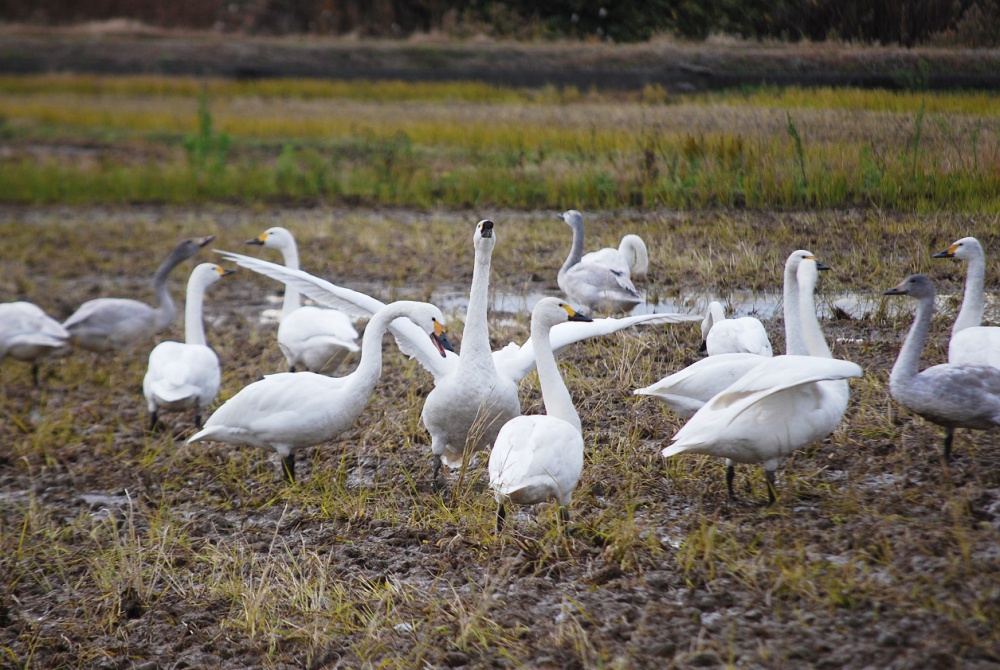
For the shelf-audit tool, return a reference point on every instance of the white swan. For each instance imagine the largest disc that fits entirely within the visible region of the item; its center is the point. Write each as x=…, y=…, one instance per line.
x=107, y=324
x=315, y=338
x=596, y=286
x=631, y=257
x=784, y=403
x=687, y=390
x=28, y=334
x=733, y=336
x=185, y=375
x=953, y=395
x=540, y=458
x=287, y=411
x=970, y=341
x=511, y=363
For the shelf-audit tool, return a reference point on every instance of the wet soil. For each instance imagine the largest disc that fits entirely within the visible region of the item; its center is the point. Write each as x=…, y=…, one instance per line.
x=877, y=554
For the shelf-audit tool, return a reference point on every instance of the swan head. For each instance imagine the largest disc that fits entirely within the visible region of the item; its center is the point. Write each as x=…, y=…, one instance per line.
x=187, y=248
x=915, y=286
x=483, y=238
x=808, y=273
x=431, y=321
x=795, y=259
x=634, y=250
x=715, y=312
x=573, y=218
x=208, y=273
x=274, y=238
x=551, y=311
x=963, y=249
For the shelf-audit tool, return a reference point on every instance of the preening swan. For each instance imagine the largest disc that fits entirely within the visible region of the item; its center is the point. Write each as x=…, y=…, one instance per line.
x=185, y=375
x=780, y=405
x=29, y=334
x=287, y=411
x=953, y=395
x=317, y=339
x=594, y=285
x=107, y=324
x=631, y=257
x=970, y=341
x=540, y=458
x=511, y=363
x=687, y=390
x=733, y=336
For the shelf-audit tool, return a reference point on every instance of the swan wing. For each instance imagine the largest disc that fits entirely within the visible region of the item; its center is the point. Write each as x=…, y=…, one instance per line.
x=979, y=345
x=745, y=334
x=613, y=258
x=178, y=371
x=687, y=390
x=536, y=458
x=410, y=339
x=516, y=362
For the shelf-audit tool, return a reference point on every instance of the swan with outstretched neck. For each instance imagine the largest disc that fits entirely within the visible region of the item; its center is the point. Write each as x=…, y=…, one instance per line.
x=953, y=395
x=971, y=342
x=186, y=375
x=287, y=411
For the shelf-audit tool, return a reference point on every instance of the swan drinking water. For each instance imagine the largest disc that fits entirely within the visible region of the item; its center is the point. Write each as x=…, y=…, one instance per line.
x=540, y=458
x=287, y=411
x=109, y=324
x=186, y=375
x=317, y=339
x=953, y=395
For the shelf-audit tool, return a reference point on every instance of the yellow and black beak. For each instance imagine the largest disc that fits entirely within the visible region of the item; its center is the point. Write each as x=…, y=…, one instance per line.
x=574, y=315
x=820, y=265
x=259, y=240
x=947, y=253
x=223, y=272
x=440, y=340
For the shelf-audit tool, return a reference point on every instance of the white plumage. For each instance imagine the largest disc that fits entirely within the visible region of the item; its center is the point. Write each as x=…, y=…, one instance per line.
x=186, y=375
x=631, y=257
x=317, y=339
x=28, y=334
x=733, y=336
x=540, y=458
x=971, y=342
x=594, y=285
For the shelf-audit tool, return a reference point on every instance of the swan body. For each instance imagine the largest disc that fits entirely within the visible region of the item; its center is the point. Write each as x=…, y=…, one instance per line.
x=732, y=336
x=594, y=285
x=312, y=338
x=186, y=375
x=953, y=395
x=780, y=405
x=109, y=324
x=540, y=458
x=687, y=390
x=972, y=342
x=631, y=257
x=287, y=411
x=28, y=334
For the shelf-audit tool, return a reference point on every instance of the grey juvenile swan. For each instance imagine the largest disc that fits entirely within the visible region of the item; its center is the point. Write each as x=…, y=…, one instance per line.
x=108, y=324
x=953, y=395
x=594, y=285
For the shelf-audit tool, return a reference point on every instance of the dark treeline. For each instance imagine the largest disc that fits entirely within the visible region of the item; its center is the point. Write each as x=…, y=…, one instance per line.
x=902, y=22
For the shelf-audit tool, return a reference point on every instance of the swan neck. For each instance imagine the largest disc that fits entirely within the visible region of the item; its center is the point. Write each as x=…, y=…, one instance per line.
x=194, y=325
x=476, y=335
x=794, y=343
x=292, y=301
x=576, y=251
x=555, y=395
x=165, y=309
x=971, y=313
x=369, y=367
x=908, y=362
x=811, y=332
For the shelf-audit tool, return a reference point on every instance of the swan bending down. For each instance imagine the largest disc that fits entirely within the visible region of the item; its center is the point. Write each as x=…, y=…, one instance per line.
x=782, y=404
x=631, y=257
x=29, y=334
x=687, y=390
x=970, y=341
x=511, y=363
x=733, y=336
x=186, y=375
x=953, y=395
x=287, y=411
x=315, y=338
x=107, y=324
x=594, y=285
x=540, y=458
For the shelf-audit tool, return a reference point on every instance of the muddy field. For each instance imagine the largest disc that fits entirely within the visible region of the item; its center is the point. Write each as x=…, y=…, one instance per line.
x=121, y=548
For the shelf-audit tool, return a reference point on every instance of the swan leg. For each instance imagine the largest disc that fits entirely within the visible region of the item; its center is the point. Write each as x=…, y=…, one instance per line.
x=769, y=478
x=34, y=373
x=564, y=519
x=501, y=516
x=437, y=470
x=730, y=476
x=288, y=468
x=152, y=421
x=949, y=434
x=197, y=419
x=291, y=368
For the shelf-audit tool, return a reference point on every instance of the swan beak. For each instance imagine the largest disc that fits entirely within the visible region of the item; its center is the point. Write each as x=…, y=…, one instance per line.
x=895, y=290
x=440, y=340
x=223, y=272
x=486, y=228
x=948, y=253
x=822, y=266
x=259, y=240
x=561, y=217
x=575, y=315
x=205, y=240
